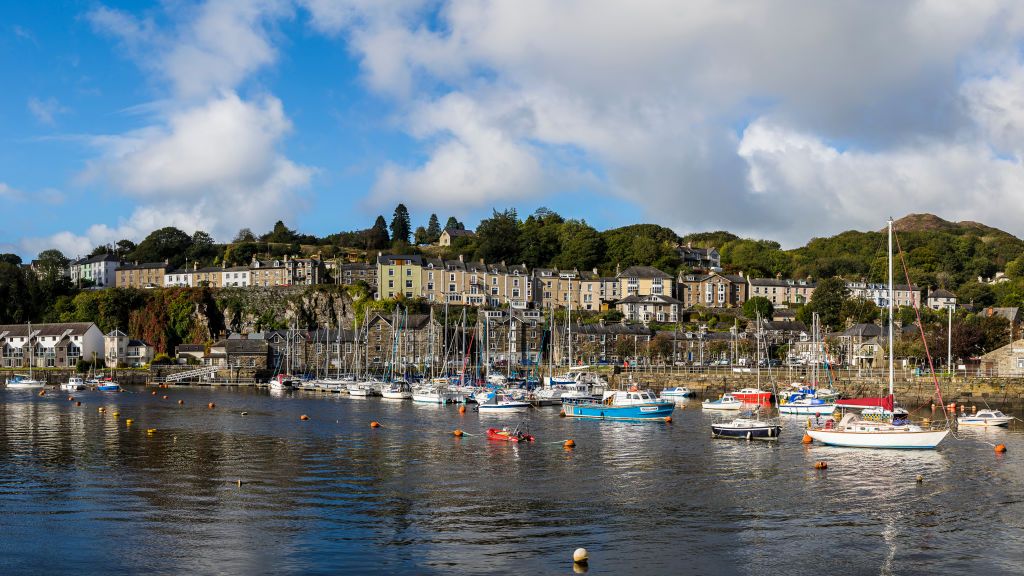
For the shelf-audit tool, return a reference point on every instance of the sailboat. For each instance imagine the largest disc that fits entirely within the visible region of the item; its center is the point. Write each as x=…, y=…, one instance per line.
x=854, y=432
x=21, y=381
x=750, y=424
x=805, y=401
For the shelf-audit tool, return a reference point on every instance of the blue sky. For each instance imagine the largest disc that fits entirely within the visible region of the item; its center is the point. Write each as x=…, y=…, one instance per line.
x=772, y=120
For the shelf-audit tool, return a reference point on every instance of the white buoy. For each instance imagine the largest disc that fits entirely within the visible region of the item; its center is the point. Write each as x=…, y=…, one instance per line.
x=580, y=556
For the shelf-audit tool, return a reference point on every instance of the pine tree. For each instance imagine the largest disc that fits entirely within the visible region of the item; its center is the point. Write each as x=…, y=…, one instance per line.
x=400, y=224
x=453, y=224
x=433, y=229
x=377, y=237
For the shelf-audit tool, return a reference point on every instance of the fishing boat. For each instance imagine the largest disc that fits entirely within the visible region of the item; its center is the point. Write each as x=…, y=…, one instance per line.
x=632, y=404
x=855, y=432
x=107, y=385
x=23, y=382
x=398, y=390
x=805, y=404
x=726, y=402
x=677, y=392
x=985, y=418
x=749, y=425
x=753, y=396
x=74, y=383
x=506, y=434
x=500, y=403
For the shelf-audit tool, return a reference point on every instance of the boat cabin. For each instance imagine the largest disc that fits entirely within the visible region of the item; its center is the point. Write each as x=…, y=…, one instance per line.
x=629, y=397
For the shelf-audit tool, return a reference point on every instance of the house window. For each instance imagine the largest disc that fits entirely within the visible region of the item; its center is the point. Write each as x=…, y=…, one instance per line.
x=391, y=271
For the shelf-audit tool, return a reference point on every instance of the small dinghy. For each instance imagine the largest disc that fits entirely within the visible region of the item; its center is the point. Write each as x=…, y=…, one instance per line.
x=507, y=434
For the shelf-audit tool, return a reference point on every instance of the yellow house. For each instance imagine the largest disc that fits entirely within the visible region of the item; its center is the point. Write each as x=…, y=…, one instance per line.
x=399, y=275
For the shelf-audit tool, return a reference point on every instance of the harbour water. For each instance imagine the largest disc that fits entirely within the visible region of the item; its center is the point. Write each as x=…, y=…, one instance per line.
x=214, y=491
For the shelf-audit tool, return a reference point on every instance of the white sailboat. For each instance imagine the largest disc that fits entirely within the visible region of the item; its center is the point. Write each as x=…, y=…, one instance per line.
x=854, y=432
x=21, y=381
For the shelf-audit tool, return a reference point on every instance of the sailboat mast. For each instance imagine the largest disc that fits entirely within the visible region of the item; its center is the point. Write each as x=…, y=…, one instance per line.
x=892, y=367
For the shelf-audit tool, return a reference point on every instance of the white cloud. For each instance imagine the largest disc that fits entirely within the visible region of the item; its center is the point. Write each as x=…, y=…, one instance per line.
x=206, y=158
x=655, y=97
x=47, y=110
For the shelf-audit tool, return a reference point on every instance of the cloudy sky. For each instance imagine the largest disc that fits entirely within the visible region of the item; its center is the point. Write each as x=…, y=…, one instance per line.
x=784, y=120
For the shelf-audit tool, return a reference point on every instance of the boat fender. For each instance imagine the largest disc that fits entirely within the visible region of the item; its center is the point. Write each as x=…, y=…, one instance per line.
x=462, y=409
x=749, y=433
x=807, y=439
x=668, y=419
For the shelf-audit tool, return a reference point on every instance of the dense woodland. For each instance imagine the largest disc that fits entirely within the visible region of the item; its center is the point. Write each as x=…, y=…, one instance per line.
x=937, y=254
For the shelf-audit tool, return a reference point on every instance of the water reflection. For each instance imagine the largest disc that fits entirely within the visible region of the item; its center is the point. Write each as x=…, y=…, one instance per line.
x=333, y=495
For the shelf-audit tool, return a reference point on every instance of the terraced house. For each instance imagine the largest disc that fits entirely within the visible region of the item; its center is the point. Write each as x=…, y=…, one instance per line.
x=712, y=290
x=59, y=345
x=145, y=275
x=98, y=270
x=399, y=275
x=782, y=291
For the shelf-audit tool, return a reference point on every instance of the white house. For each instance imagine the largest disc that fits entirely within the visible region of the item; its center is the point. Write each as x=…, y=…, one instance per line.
x=120, y=350
x=100, y=270
x=49, y=345
x=180, y=278
x=238, y=276
x=941, y=299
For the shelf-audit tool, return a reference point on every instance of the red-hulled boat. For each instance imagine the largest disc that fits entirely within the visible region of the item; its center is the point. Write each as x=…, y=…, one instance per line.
x=753, y=396
x=508, y=435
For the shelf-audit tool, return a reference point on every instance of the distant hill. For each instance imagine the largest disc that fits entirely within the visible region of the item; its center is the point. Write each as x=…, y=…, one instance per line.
x=933, y=223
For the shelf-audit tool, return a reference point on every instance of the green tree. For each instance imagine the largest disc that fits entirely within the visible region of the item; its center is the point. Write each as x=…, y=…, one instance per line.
x=123, y=248
x=377, y=237
x=860, y=310
x=164, y=244
x=202, y=248
x=497, y=237
x=758, y=305
x=976, y=293
x=12, y=259
x=433, y=232
x=827, y=300
x=281, y=234
x=581, y=246
x=540, y=239
x=400, y=224
x=244, y=235
x=420, y=236
x=453, y=224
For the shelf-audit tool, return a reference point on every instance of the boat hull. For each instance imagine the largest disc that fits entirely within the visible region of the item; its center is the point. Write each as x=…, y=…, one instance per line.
x=657, y=411
x=807, y=409
x=753, y=397
x=715, y=405
x=909, y=440
x=503, y=408
x=766, y=432
x=396, y=395
x=971, y=421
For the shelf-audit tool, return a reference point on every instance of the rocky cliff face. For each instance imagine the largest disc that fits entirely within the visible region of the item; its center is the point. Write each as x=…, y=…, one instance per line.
x=247, y=310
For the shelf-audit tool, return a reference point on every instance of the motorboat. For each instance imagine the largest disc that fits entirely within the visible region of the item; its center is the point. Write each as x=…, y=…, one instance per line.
x=363, y=389
x=398, y=390
x=435, y=395
x=747, y=426
x=853, y=431
x=103, y=384
x=677, y=392
x=726, y=402
x=985, y=418
x=500, y=403
x=803, y=404
x=74, y=383
x=23, y=382
x=548, y=396
x=631, y=404
x=753, y=396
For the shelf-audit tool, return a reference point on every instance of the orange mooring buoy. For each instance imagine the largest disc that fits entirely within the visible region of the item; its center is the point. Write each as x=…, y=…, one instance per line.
x=457, y=433
x=303, y=417
x=569, y=443
x=181, y=402
x=807, y=439
x=462, y=409
x=820, y=465
x=561, y=413
x=71, y=398
x=42, y=392
x=78, y=403
x=165, y=397
x=374, y=424
x=211, y=405
x=153, y=392
x=1000, y=448
x=668, y=419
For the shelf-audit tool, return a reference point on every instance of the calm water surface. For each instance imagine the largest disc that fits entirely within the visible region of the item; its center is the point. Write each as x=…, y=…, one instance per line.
x=81, y=492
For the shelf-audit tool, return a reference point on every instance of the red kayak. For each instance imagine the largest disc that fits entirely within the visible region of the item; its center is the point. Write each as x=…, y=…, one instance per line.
x=506, y=435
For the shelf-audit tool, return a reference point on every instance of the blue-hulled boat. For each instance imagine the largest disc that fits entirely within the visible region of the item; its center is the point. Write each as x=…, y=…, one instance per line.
x=632, y=404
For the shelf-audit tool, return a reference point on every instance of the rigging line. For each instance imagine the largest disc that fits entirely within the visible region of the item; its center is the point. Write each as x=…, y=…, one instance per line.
x=920, y=326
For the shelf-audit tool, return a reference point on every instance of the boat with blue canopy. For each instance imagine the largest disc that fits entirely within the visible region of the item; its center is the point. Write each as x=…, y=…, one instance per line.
x=632, y=404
